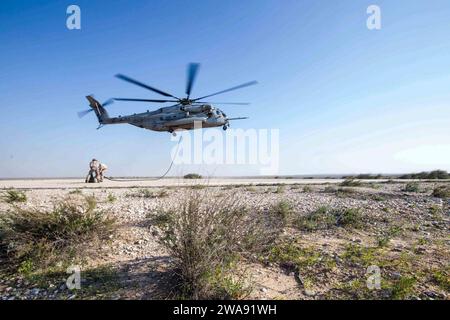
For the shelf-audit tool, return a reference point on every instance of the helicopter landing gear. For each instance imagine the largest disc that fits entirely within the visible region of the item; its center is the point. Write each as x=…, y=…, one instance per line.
x=173, y=132
x=225, y=127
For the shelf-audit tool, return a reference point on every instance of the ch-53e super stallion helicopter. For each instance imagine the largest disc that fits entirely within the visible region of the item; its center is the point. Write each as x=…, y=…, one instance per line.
x=186, y=113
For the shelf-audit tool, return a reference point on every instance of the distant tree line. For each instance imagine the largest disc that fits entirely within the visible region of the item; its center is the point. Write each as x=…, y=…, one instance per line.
x=366, y=176
x=437, y=174
x=433, y=175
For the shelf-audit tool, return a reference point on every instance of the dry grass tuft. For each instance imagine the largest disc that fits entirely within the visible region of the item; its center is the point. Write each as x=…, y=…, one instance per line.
x=208, y=237
x=35, y=238
x=13, y=196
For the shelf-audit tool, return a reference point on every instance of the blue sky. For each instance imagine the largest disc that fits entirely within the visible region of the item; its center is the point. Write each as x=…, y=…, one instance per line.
x=345, y=99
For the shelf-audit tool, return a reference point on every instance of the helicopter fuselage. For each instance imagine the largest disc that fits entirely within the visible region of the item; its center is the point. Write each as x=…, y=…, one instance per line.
x=174, y=118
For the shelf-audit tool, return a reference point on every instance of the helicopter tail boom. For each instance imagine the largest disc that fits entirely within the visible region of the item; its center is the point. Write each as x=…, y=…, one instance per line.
x=99, y=110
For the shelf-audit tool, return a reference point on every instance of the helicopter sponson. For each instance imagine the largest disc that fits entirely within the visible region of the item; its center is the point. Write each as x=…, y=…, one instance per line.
x=186, y=121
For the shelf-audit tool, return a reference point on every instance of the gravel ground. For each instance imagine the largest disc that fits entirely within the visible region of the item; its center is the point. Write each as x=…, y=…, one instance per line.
x=135, y=266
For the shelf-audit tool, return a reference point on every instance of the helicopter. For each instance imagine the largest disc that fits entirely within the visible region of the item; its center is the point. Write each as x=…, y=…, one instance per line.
x=185, y=114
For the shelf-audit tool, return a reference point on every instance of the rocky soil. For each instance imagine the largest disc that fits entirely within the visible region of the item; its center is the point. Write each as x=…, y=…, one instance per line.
x=405, y=234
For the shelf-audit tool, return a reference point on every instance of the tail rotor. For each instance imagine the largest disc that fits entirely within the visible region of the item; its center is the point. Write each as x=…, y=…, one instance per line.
x=96, y=107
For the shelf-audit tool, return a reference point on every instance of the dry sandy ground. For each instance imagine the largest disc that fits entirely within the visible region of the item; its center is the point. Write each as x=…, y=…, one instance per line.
x=147, y=183
x=331, y=262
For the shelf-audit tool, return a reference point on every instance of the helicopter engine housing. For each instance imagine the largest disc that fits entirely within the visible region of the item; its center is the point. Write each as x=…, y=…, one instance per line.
x=197, y=109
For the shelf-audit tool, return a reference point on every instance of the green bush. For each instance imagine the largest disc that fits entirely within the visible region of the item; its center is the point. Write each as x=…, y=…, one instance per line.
x=36, y=237
x=403, y=288
x=192, y=176
x=348, y=217
x=442, y=278
x=330, y=189
x=385, y=237
x=346, y=191
x=288, y=253
x=325, y=218
x=111, y=198
x=316, y=220
x=13, y=195
x=441, y=192
x=383, y=240
x=350, y=183
x=283, y=210
x=411, y=187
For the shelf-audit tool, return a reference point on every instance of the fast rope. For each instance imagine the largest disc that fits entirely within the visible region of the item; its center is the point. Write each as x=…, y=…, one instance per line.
x=151, y=179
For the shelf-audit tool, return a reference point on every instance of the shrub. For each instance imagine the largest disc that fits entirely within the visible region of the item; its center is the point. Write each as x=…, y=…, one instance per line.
x=111, y=198
x=291, y=253
x=307, y=189
x=411, y=187
x=441, y=192
x=198, y=187
x=283, y=210
x=378, y=197
x=348, y=217
x=32, y=237
x=13, y=195
x=325, y=218
x=357, y=254
x=318, y=219
x=383, y=240
x=163, y=194
x=192, y=176
x=146, y=193
x=385, y=237
x=280, y=189
x=442, y=278
x=403, y=288
x=208, y=236
x=329, y=189
x=343, y=192
x=350, y=183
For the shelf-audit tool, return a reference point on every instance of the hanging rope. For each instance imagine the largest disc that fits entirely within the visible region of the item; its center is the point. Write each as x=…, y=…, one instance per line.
x=151, y=179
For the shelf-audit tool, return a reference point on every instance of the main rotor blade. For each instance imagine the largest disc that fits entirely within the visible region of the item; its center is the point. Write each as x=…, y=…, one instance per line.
x=81, y=114
x=144, y=100
x=243, y=118
x=143, y=85
x=191, y=75
x=230, y=89
x=108, y=102
x=235, y=103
